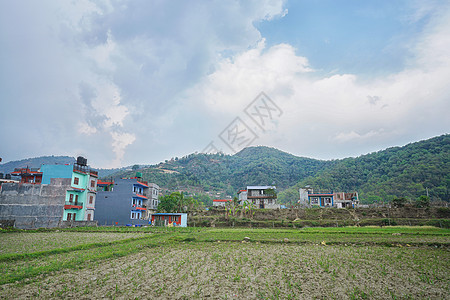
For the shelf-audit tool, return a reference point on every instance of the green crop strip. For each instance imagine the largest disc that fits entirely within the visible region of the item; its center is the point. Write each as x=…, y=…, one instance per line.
x=17, y=256
x=50, y=261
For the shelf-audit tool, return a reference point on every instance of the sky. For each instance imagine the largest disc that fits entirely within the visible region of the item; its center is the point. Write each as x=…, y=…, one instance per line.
x=139, y=82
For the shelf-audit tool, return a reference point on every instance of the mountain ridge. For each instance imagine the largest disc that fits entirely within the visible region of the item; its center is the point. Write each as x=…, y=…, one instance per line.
x=400, y=171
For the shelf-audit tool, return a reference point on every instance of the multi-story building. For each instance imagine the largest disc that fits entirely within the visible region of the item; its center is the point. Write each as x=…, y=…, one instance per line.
x=330, y=199
x=80, y=197
x=51, y=196
x=126, y=201
x=262, y=196
x=27, y=175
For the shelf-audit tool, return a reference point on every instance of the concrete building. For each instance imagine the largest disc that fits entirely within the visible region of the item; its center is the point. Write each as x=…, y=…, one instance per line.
x=27, y=175
x=262, y=196
x=52, y=196
x=169, y=219
x=221, y=202
x=127, y=201
x=80, y=197
x=332, y=199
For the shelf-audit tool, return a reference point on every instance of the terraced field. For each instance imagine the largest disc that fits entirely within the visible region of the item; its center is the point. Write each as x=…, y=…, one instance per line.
x=187, y=263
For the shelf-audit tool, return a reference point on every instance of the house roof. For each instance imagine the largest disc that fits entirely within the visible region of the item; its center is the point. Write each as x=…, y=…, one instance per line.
x=169, y=214
x=100, y=183
x=222, y=200
x=315, y=195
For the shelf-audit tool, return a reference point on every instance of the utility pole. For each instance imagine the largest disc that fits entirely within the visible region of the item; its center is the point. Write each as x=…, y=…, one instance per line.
x=427, y=191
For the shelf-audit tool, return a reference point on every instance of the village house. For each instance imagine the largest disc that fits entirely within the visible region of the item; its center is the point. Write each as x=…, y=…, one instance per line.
x=262, y=196
x=331, y=199
x=221, y=202
x=126, y=201
x=169, y=219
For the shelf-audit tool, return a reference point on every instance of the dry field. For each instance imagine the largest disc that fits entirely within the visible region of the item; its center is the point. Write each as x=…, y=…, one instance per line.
x=215, y=263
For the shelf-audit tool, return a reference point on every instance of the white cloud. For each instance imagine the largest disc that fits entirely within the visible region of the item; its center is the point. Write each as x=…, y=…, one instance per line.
x=325, y=116
x=134, y=81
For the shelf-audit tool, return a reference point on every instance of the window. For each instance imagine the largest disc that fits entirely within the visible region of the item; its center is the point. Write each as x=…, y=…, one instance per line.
x=135, y=215
x=69, y=216
x=91, y=199
x=89, y=217
x=71, y=198
x=93, y=183
x=76, y=180
x=314, y=200
x=76, y=198
x=74, y=216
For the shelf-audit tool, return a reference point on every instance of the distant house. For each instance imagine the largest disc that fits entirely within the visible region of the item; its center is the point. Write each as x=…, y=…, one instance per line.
x=331, y=199
x=126, y=201
x=27, y=175
x=262, y=196
x=169, y=219
x=221, y=202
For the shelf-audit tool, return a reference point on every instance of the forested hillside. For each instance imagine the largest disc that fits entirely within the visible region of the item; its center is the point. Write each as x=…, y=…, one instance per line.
x=406, y=171
x=220, y=172
x=35, y=162
x=395, y=172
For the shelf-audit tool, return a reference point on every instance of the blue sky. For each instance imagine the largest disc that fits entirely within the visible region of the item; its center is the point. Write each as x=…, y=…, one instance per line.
x=367, y=38
x=125, y=82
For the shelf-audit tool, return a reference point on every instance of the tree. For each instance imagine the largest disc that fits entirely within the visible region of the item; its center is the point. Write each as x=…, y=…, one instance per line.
x=176, y=202
x=399, y=202
x=135, y=167
x=168, y=203
x=423, y=201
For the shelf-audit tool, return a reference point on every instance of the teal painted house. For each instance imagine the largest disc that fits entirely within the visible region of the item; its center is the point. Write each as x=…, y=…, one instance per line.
x=80, y=198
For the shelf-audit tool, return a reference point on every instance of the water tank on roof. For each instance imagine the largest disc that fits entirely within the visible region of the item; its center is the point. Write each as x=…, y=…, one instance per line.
x=81, y=161
x=8, y=176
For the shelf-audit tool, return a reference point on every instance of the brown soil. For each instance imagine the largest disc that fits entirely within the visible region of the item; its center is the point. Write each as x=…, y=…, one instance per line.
x=249, y=271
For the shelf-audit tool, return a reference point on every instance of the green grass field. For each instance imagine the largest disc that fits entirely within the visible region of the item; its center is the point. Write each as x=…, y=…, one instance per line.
x=186, y=263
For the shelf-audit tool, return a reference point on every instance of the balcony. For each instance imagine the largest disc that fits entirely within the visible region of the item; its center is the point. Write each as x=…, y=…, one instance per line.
x=80, y=169
x=139, y=207
x=73, y=205
x=261, y=196
x=136, y=195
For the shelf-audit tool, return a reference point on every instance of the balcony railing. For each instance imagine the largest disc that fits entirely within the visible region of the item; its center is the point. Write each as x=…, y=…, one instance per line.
x=73, y=205
x=261, y=196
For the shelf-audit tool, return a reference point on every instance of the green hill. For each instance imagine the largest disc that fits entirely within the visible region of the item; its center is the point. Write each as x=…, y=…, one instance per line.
x=35, y=162
x=406, y=171
x=229, y=173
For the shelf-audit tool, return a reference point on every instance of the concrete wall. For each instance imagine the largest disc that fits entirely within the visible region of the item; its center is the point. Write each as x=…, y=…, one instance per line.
x=68, y=224
x=34, y=206
x=55, y=171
